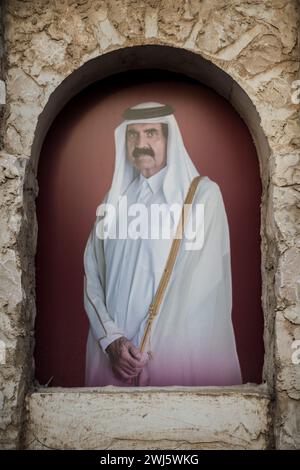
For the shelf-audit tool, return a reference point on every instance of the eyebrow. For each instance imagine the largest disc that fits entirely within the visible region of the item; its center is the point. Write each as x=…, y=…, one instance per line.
x=151, y=129
x=144, y=130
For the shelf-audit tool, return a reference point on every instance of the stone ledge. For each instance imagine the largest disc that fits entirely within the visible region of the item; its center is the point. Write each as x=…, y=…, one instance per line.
x=149, y=418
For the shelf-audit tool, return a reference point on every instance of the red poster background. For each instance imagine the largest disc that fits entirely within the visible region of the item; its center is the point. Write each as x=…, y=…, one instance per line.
x=75, y=171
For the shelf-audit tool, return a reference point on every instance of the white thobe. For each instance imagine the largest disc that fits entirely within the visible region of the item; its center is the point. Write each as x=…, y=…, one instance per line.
x=192, y=337
x=134, y=266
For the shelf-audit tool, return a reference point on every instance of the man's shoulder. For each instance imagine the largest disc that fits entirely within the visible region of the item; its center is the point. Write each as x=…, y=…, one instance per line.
x=101, y=205
x=207, y=189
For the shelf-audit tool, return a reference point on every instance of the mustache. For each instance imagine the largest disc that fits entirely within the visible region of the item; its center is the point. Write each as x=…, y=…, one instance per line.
x=142, y=151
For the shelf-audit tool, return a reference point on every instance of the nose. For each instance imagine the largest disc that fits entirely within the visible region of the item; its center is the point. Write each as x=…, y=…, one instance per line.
x=142, y=140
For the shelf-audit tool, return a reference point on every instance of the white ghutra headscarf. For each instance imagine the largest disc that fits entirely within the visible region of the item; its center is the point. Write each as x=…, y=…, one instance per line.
x=180, y=168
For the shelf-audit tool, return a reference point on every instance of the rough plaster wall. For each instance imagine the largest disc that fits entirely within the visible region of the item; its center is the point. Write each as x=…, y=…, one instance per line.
x=2, y=83
x=148, y=420
x=255, y=43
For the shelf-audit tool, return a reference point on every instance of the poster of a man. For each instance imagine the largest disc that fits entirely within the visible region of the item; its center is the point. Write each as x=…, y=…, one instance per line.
x=191, y=339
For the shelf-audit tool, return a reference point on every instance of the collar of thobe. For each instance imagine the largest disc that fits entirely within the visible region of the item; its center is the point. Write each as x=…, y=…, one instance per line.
x=154, y=182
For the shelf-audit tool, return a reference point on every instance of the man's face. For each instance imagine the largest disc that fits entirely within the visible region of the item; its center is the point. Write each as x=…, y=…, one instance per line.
x=146, y=147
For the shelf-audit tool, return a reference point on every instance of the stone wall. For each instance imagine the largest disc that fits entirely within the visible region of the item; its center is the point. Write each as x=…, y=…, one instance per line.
x=257, y=45
x=2, y=66
x=149, y=419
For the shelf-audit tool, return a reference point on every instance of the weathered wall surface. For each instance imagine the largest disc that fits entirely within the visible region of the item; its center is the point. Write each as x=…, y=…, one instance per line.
x=256, y=43
x=148, y=420
x=2, y=84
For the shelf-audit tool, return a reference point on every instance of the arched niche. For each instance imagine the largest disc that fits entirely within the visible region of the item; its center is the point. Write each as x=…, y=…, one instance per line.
x=166, y=59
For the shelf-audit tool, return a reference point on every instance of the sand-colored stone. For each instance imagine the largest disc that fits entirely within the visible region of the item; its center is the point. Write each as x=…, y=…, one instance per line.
x=47, y=45
x=152, y=419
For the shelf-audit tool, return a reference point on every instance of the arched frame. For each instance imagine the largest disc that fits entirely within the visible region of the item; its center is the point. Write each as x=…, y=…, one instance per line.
x=228, y=409
x=175, y=60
